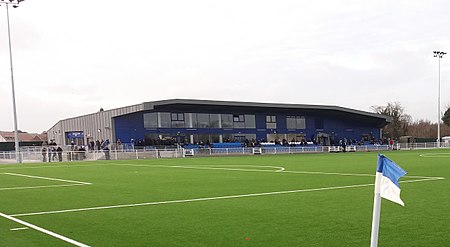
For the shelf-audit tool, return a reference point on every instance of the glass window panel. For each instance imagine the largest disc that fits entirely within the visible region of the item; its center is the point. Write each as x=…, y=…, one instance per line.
x=227, y=121
x=164, y=119
x=271, y=125
x=151, y=120
x=239, y=125
x=177, y=124
x=250, y=122
x=301, y=123
x=191, y=120
x=202, y=120
x=271, y=119
x=290, y=122
x=214, y=120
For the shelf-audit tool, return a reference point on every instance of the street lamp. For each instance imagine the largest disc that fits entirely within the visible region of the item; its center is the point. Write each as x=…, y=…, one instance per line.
x=15, y=4
x=439, y=55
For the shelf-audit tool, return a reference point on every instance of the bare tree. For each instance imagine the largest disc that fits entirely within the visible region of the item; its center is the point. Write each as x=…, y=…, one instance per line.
x=400, y=121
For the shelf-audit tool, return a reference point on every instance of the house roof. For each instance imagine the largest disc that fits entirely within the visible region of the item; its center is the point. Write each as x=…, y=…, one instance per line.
x=23, y=136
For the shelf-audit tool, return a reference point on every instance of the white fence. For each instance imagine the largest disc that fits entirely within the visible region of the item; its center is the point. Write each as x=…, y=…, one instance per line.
x=34, y=156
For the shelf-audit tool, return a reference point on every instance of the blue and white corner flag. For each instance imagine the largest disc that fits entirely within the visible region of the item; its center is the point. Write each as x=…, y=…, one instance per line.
x=386, y=186
x=390, y=173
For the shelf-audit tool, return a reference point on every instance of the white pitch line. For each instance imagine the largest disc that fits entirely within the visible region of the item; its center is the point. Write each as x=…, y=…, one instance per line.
x=39, y=187
x=52, y=166
x=66, y=239
x=207, y=198
x=281, y=170
x=230, y=169
x=19, y=228
x=46, y=178
x=189, y=200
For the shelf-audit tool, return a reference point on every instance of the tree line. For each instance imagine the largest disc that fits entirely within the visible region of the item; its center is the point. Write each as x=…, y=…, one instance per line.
x=403, y=125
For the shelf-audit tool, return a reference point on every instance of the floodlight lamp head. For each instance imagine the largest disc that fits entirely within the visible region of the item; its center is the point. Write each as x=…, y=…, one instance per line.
x=15, y=6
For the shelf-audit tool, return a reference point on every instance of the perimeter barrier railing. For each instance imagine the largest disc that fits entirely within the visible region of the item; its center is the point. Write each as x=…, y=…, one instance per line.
x=31, y=155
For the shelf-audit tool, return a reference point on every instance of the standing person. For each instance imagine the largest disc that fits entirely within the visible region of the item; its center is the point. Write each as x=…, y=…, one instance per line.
x=97, y=144
x=105, y=148
x=391, y=144
x=53, y=153
x=92, y=145
x=49, y=154
x=59, y=151
x=119, y=144
x=44, y=154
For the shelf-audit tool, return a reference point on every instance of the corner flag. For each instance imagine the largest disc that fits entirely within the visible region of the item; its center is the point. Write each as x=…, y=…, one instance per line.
x=386, y=186
x=390, y=173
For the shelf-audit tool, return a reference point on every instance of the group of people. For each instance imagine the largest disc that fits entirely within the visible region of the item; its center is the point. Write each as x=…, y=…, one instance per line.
x=53, y=152
x=50, y=153
x=99, y=145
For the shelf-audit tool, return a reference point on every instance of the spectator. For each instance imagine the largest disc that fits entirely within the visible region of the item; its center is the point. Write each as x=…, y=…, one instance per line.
x=44, y=154
x=59, y=151
x=53, y=153
x=49, y=154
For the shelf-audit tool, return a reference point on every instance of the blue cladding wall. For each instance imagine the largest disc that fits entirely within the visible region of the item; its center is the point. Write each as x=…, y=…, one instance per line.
x=131, y=127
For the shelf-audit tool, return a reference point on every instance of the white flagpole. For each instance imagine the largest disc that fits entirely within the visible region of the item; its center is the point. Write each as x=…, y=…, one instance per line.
x=376, y=211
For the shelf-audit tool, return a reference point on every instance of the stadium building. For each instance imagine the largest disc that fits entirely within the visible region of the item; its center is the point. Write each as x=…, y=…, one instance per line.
x=204, y=121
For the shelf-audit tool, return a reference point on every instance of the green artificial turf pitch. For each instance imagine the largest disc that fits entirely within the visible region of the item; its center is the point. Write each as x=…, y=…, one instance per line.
x=267, y=200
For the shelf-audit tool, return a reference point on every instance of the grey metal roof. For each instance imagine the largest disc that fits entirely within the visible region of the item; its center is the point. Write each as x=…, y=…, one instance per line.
x=153, y=104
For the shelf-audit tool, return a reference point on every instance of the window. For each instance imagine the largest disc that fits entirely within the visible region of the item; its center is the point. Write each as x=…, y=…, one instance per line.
x=291, y=123
x=151, y=120
x=177, y=120
x=238, y=118
x=177, y=116
x=295, y=122
x=203, y=120
x=164, y=120
x=271, y=122
x=227, y=120
x=250, y=122
x=214, y=120
x=238, y=121
x=301, y=123
x=191, y=120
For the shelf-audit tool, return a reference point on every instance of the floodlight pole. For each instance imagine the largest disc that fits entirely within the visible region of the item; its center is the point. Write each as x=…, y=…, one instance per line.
x=439, y=55
x=16, y=131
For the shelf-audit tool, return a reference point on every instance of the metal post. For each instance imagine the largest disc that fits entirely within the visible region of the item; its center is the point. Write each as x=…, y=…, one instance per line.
x=16, y=131
x=439, y=105
x=376, y=212
x=439, y=55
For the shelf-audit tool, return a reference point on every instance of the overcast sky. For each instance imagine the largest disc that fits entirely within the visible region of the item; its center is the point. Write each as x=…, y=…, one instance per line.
x=73, y=57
